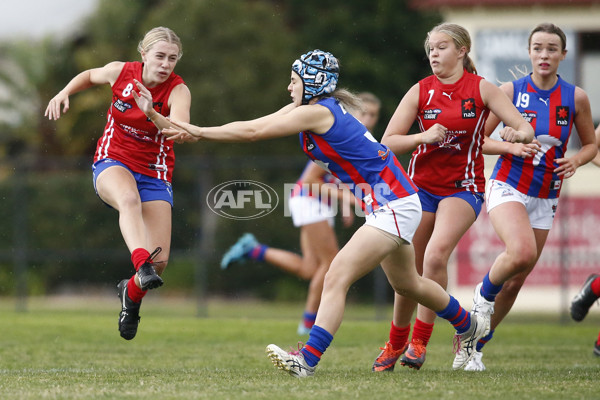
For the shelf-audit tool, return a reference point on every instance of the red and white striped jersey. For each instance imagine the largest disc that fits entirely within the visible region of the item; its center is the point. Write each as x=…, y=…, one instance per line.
x=456, y=164
x=129, y=136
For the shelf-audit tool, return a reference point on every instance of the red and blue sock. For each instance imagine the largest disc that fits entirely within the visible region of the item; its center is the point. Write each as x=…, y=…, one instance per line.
x=318, y=341
x=309, y=319
x=456, y=315
x=258, y=253
x=488, y=290
x=484, y=340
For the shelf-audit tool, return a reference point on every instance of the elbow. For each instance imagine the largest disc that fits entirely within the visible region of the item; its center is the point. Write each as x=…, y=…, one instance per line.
x=252, y=136
x=529, y=134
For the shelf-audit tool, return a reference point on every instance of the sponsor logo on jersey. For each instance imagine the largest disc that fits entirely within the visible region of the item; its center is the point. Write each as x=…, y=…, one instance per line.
x=562, y=115
x=464, y=183
x=529, y=115
x=450, y=140
x=468, y=108
x=431, y=114
x=157, y=107
x=383, y=154
x=309, y=145
x=121, y=105
x=555, y=185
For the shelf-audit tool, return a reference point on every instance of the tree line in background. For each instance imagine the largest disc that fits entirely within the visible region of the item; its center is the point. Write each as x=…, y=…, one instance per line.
x=236, y=62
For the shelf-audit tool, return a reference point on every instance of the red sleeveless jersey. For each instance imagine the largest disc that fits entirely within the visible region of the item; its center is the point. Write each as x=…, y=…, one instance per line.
x=456, y=164
x=129, y=136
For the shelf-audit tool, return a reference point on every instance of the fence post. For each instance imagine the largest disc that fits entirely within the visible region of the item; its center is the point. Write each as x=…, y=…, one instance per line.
x=20, y=235
x=206, y=238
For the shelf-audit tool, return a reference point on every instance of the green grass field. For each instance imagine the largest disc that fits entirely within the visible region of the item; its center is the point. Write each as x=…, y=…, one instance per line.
x=71, y=349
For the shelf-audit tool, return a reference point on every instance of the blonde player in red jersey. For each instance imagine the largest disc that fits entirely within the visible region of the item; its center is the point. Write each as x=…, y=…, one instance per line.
x=133, y=163
x=451, y=107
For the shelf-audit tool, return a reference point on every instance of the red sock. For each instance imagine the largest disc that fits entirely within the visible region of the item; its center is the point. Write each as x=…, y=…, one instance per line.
x=138, y=257
x=134, y=292
x=399, y=336
x=595, y=286
x=422, y=331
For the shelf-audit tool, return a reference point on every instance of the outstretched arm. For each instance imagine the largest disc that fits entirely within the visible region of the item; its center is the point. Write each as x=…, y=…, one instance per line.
x=285, y=122
x=88, y=78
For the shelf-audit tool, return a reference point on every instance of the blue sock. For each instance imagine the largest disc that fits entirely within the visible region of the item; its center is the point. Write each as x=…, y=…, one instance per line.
x=456, y=315
x=484, y=340
x=318, y=341
x=488, y=290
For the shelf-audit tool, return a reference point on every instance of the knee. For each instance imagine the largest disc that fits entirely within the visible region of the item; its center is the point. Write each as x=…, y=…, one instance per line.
x=335, y=280
x=129, y=200
x=523, y=257
x=160, y=266
x=435, y=266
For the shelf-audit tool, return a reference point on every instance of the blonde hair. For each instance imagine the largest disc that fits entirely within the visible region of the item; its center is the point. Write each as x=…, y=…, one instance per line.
x=158, y=34
x=461, y=38
x=368, y=97
x=350, y=100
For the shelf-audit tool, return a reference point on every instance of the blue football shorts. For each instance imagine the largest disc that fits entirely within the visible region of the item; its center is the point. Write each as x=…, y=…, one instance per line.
x=430, y=202
x=149, y=188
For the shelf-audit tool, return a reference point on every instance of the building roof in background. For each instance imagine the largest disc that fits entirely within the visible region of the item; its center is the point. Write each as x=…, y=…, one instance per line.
x=497, y=3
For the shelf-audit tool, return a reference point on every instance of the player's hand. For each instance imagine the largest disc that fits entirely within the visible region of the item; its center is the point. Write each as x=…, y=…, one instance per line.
x=435, y=134
x=143, y=99
x=53, y=109
x=509, y=134
x=566, y=168
x=525, y=150
x=181, y=132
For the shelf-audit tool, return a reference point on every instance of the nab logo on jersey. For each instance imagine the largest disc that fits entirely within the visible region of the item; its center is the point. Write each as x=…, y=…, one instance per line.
x=562, y=115
x=242, y=199
x=529, y=115
x=157, y=107
x=468, y=108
